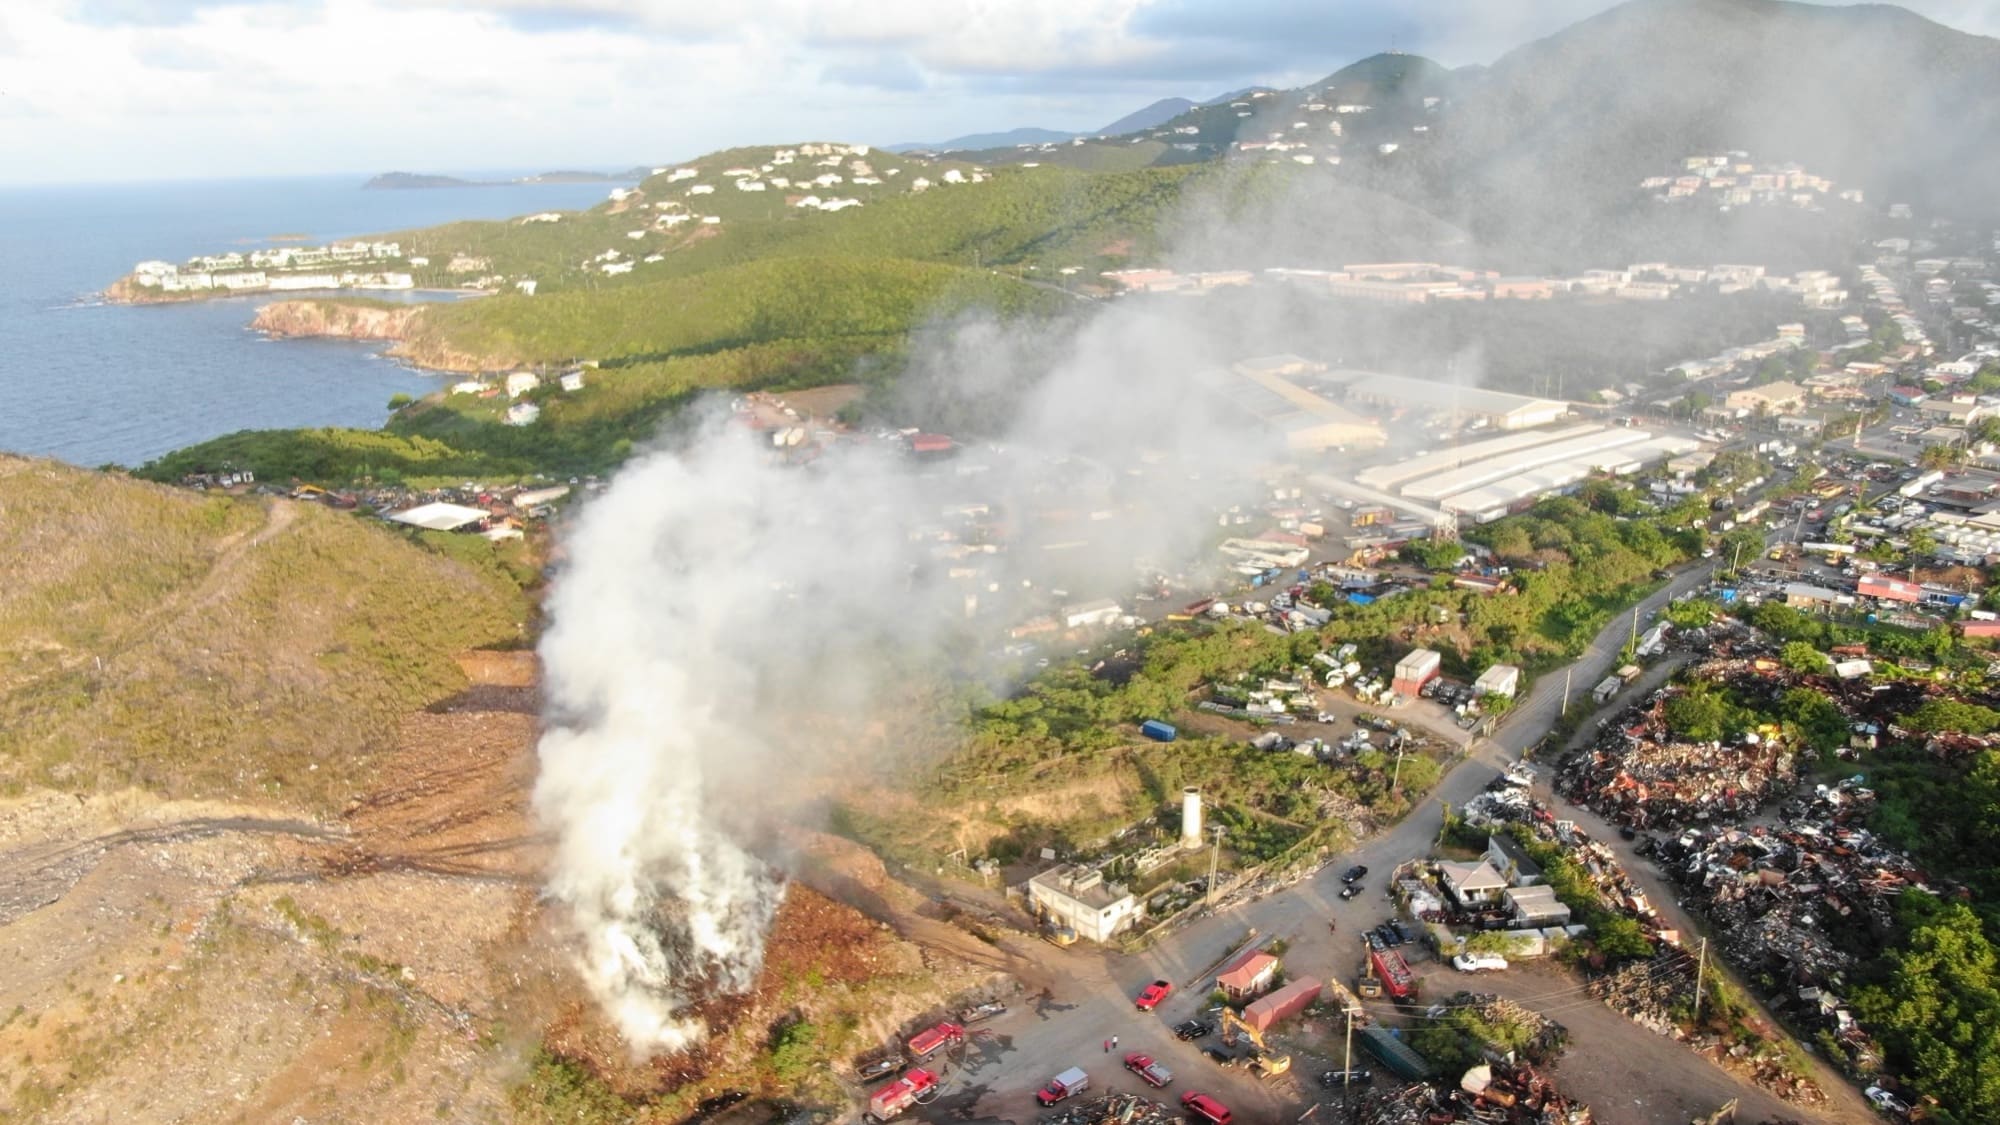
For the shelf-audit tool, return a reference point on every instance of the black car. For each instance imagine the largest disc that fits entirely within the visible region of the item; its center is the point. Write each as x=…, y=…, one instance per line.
x=1389, y=935
x=1193, y=1029
x=1354, y=873
x=1404, y=930
x=1356, y=1077
x=1223, y=1058
x=1374, y=939
x=1350, y=890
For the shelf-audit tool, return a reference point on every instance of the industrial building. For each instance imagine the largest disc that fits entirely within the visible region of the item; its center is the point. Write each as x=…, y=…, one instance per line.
x=1484, y=480
x=1079, y=898
x=1497, y=409
x=1269, y=391
x=1444, y=460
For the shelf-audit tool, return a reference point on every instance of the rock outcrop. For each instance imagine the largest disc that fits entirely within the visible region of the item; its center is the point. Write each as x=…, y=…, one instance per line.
x=338, y=320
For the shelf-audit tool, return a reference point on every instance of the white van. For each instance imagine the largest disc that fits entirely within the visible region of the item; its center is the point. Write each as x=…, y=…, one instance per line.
x=1478, y=962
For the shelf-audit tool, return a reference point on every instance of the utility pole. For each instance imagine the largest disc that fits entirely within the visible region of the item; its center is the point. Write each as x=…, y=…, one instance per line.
x=1397, y=773
x=1700, y=968
x=1567, y=673
x=1214, y=861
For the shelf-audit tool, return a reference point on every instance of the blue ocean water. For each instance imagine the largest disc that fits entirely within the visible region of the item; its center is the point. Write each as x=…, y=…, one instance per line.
x=93, y=383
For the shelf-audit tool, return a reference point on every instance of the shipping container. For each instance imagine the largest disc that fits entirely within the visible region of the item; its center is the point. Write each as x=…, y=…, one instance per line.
x=1395, y=1054
x=1158, y=731
x=1286, y=1002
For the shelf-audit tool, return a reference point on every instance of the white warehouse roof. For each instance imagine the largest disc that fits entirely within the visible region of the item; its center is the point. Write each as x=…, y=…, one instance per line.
x=1500, y=468
x=1389, y=476
x=439, y=516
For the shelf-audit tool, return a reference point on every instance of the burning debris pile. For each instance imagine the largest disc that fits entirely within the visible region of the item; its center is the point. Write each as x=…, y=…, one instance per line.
x=1488, y=1094
x=1798, y=903
x=1638, y=774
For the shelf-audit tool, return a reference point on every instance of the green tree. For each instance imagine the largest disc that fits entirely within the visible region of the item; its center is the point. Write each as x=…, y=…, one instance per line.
x=1620, y=938
x=1435, y=554
x=1802, y=658
x=1938, y=1010
x=1700, y=713
x=1950, y=715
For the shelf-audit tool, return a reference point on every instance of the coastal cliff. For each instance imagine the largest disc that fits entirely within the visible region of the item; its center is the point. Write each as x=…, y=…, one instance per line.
x=337, y=320
x=346, y=320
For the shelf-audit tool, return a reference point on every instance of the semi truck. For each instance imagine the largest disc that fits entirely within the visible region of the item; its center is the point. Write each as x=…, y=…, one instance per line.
x=911, y=1089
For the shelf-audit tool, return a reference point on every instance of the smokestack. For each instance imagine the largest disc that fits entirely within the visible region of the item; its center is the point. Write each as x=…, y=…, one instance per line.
x=1190, y=817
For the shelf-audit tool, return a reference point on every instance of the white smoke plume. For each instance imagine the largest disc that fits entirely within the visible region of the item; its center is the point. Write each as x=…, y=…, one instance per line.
x=722, y=613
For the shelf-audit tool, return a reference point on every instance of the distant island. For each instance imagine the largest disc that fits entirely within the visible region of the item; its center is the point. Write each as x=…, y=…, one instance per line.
x=402, y=181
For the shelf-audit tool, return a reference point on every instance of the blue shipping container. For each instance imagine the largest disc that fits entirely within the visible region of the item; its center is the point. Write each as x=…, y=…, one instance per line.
x=1158, y=731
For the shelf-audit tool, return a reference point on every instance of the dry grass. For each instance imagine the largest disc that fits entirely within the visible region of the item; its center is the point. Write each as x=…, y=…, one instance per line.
x=199, y=646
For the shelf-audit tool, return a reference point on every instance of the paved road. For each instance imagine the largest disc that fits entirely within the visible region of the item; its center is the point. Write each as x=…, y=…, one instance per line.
x=1091, y=998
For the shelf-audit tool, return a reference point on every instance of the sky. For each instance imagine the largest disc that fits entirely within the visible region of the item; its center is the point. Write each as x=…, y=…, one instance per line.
x=95, y=90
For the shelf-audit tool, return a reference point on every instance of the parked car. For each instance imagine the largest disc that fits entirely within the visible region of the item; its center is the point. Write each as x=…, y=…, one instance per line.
x=1354, y=874
x=1350, y=890
x=1885, y=1100
x=1205, y=1108
x=1193, y=1029
x=1151, y=995
x=1151, y=1073
x=1356, y=1077
x=1221, y=1057
x=1478, y=962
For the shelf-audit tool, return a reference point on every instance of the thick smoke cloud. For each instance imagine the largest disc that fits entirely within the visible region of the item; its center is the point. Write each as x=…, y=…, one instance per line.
x=726, y=619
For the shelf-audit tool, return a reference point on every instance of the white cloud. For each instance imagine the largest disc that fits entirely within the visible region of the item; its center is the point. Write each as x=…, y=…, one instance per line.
x=185, y=88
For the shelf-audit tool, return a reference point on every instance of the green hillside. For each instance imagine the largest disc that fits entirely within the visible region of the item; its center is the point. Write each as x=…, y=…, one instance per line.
x=779, y=323
x=207, y=647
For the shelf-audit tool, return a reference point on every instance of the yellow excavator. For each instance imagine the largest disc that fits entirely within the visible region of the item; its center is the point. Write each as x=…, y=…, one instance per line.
x=1263, y=1063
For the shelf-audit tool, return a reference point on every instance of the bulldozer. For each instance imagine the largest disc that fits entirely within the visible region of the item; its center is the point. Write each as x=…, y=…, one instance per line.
x=1263, y=1063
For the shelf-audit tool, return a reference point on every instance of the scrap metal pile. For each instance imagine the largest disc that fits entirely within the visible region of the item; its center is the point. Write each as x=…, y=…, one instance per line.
x=1488, y=1095
x=1649, y=993
x=1800, y=902
x=1637, y=774
x=1116, y=1109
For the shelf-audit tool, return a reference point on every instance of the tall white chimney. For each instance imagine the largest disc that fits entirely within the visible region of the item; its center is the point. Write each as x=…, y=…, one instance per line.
x=1190, y=817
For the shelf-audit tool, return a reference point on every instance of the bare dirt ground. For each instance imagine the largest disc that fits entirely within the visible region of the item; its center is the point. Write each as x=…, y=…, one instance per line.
x=213, y=962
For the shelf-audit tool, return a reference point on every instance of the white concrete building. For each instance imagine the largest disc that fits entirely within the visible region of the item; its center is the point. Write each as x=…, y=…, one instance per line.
x=1080, y=899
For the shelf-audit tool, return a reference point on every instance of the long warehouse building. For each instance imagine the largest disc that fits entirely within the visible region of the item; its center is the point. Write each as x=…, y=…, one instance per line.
x=1495, y=469
x=1491, y=501
x=1443, y=460
x=1501, y=410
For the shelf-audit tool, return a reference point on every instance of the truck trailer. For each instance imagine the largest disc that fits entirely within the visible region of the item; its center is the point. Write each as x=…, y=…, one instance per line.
x=1397, y=980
